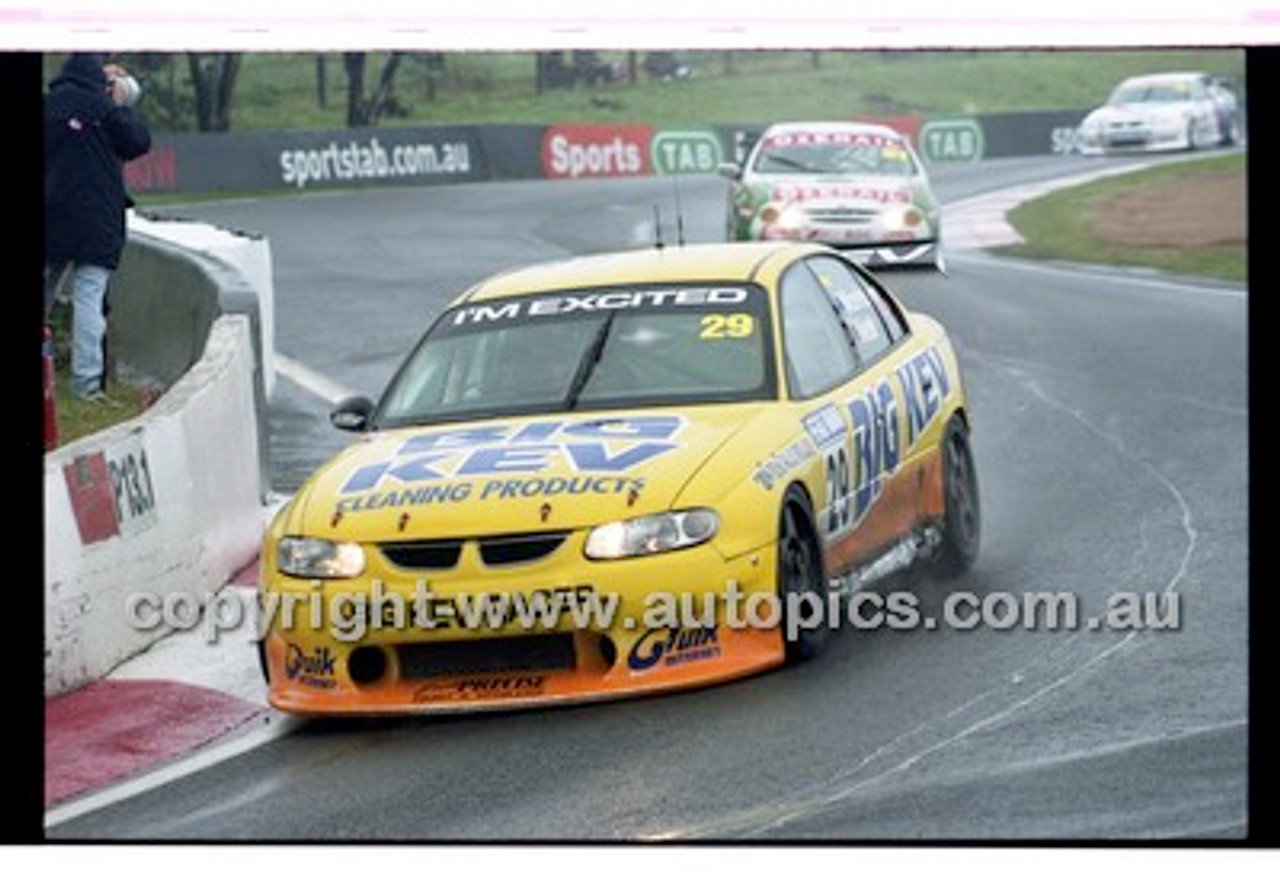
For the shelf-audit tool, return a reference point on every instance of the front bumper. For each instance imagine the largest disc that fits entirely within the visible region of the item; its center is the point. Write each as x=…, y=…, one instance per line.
x=341, y=651
x=1133, y=138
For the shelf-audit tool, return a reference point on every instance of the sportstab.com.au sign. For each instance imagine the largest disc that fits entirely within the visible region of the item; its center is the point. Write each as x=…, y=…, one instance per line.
x=369, y=159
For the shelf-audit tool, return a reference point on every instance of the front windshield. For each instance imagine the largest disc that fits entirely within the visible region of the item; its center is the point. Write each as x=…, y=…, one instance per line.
x=846, y=154
x=1135, y=94
x=621, y=347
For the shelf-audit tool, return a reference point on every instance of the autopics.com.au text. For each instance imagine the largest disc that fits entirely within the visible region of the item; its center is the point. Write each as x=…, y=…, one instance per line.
x=350, y=616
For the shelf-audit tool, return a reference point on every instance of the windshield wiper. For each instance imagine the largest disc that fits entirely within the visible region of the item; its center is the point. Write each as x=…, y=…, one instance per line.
x=588, y=362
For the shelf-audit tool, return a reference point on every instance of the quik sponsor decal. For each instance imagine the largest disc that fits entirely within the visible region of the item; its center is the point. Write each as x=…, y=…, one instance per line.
x=601, y=453
x=313, y=669
x=573, y=151
x=673, y=646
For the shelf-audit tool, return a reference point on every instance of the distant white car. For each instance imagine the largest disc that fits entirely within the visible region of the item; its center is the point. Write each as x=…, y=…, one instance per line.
x=1185, y=110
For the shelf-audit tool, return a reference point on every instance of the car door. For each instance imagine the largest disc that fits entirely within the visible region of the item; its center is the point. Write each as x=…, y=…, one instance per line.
x=834, y=364
x=876, y=490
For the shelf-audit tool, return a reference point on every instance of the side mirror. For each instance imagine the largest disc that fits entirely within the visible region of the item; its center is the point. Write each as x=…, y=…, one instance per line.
x=729, y=171
x=352, y=414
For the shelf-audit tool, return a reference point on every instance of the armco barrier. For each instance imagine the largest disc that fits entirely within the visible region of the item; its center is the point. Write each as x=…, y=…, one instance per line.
x=168, y=503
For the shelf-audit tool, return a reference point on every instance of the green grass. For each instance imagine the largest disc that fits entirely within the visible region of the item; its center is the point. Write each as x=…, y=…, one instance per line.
x=77, y=418
x=1057, y=226
x=277, y=91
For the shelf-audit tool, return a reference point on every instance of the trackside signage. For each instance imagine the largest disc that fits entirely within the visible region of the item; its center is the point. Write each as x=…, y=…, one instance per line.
x=575, y=151
x=111, y=491
x=369, y=157
x=953, y=140
x=691, y=151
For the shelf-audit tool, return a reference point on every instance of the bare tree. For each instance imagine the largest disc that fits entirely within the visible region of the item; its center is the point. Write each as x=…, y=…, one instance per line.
x=362, y=111
x=213, y=76
x=322, y=81
x=354, y=64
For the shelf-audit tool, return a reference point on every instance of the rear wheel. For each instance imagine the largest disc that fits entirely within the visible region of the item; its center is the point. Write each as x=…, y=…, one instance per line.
x=962, y=516
x=801, y=579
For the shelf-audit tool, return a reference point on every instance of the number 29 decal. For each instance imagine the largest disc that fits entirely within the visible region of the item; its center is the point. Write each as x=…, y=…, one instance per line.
x=736, y=326
x=839, y=487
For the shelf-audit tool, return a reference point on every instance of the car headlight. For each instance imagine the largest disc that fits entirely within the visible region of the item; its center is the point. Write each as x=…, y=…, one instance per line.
x=656, y=533
x=318, y=558
x=902, y=218
x=790, y=216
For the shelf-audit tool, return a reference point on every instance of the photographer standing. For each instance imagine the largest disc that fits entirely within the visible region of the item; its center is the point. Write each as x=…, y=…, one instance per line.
x=90, y=130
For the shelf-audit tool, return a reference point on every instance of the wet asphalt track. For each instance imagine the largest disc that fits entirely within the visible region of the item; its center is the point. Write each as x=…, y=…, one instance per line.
x=1111, y=417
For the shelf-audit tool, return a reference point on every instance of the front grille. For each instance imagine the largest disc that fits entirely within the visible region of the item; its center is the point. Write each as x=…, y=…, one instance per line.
x=542, y=652
x=842, y=216
x=436, y=554
x=510, y=549
x=498, y=550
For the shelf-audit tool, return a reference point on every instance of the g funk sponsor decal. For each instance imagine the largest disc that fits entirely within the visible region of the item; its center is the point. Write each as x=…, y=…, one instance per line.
x=673, y=646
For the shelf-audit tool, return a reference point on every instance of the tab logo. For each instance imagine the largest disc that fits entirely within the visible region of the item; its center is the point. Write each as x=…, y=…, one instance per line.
x=685, y=152
x=957, y=140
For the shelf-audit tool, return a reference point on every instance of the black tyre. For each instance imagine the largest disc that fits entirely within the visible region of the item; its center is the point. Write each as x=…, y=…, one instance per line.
x=800, y=571
x=261, y=646
x=962, y=515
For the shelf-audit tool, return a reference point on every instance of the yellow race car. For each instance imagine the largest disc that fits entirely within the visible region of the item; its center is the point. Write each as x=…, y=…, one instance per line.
x=620, y=474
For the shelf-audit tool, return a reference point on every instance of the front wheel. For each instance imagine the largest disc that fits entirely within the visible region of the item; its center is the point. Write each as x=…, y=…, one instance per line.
x=962, y=516
x=801, y=580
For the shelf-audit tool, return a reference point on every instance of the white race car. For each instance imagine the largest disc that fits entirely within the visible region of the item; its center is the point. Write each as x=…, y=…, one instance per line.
x=1185, y=111
x=858, y=187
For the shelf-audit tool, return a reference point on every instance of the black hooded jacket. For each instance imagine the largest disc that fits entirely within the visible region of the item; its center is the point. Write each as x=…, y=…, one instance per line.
x=87, y=139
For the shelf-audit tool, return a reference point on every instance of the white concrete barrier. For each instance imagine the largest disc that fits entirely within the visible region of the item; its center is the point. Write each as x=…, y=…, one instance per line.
x=250, y=254
x=164, y=508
